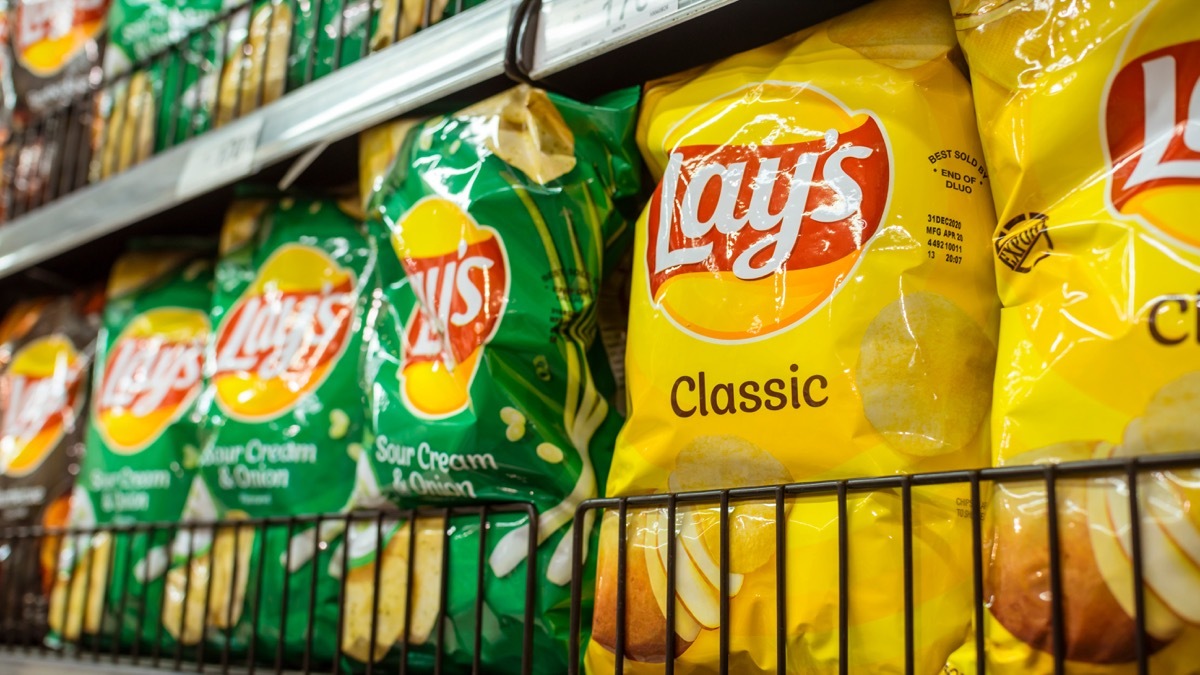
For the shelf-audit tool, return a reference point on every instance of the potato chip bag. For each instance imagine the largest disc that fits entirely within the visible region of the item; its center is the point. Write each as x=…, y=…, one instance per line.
x=1088, y=114
x=56, y=48
x=132, y=122
x=142, y=442
x=283, y=423
x=486, y=381
x=46, y=348
x=811, y=300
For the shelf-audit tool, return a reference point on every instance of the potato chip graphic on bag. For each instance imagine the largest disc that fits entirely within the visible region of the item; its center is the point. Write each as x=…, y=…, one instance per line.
x=389, y=622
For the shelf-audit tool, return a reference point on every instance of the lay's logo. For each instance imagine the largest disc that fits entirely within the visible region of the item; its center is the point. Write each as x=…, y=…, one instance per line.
x=38, y=394
x=459, y=272
x=285, y=334
x=49, y=33
x=778, y=219
x=1153, y=136
x=152, y=375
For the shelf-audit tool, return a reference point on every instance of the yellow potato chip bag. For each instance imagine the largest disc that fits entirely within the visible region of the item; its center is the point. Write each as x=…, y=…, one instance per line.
x=1090, y=121
x=812, y=298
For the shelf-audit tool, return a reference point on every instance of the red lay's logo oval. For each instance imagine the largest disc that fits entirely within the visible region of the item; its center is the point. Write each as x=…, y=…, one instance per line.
x=1153, y=134
x=38, y=394
x=770, y=200
x=459, y=272
x=151, y=376
x=285, y=334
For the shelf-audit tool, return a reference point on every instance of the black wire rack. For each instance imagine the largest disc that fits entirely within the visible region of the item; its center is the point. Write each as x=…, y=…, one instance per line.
x=27, y=614
x=115, y=122
x=979, y=482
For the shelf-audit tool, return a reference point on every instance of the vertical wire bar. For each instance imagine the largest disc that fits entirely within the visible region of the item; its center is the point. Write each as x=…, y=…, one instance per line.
x=368, y=31
x=104, y=596
x=222, y=30
x=260, y=92
x=95, y=108
x=909, y=621
x=45, y=161
x=443, y=591
x=20, y=171
x=162, y=599
x=408, y=586
x=59, y=169
x=396, y=21
x=479, y=590
x=83, y=146
x=60, y=540
x=313, y=50
x=336, y=61
x=118, y=157
x=66, y=613
x=287, y=582
x=172, y=103
x=13, y=600
x=843, y=580
x=780, y=580
x=724, y=585
x=341, y=616
x=7, y=610
x=312, y=595
x=22, y=562
x=28, y=561
x=426, y=16
x=531, y=587
x=233, y=586
x=977, y=572
x=1139, y=596
x=132, y=121
x=187, y=589
x=1056, y=601
x=75, y=119
x=149, y=535
x=622, y=571
x=123, y=603
x=54, y=139
x=245, y=61
x=28, y=622
x=202, y=648
x=575, y=636
x=379, y=558
x=672, y=510
x=259, y=569
x=205, y=42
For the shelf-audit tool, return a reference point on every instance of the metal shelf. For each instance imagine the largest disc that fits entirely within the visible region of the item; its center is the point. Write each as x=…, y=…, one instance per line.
x=444, y=59
x=571, y=32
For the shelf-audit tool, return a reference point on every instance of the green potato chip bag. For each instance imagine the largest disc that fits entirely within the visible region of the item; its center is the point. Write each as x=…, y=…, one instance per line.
x=283, y=426
x=142, y=437
x=485, y=378
x=134, y=126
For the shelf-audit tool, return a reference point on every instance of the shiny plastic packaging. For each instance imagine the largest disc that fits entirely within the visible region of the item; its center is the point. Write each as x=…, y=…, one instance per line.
x=282, y=430
x=1089, y=114
x=46, y=349
x=171, y=97
x=812, y=298
x=142, y=443
x=486, y=379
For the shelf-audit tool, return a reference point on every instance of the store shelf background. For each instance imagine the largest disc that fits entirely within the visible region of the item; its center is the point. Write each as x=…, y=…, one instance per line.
x=74, y=238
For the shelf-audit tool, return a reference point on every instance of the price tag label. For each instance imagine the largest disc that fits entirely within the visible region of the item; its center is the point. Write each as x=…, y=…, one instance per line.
x=224, y=155
x=571, y=26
